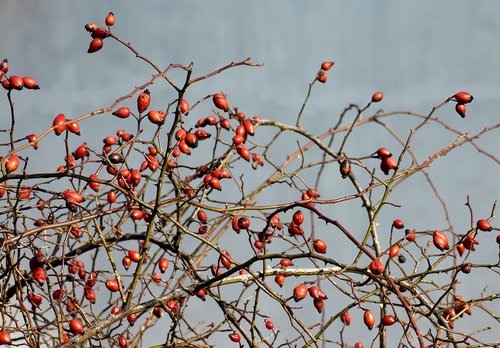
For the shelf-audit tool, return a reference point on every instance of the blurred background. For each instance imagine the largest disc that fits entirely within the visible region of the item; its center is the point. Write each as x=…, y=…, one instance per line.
x=417, y=53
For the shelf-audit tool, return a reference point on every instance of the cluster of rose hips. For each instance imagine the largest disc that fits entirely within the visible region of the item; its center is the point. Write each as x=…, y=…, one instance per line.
x=14, y=82
x=322, y=76
x=99, y=34
x=461, y=98
x=187, y=140
x=301, y=291
x=387, y=162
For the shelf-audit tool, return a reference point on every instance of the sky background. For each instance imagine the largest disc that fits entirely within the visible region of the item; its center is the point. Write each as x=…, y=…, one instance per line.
x=418, y=53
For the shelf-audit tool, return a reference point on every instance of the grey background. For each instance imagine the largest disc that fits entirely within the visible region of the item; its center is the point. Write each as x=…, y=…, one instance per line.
x=418, y=53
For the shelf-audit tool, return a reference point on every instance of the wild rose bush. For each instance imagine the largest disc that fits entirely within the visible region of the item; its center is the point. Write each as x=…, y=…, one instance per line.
x=211, y=227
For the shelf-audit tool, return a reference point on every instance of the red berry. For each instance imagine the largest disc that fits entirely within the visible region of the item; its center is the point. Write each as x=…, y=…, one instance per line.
x=410, y=235
x=12, y=163
x=322, y=77
x=243, y=223
x=319, y=304
x=345, y=318
x=112, y=285
x=76, y=326
x=202, y=216
x=156, y=117
x=157, y=311
x=180, y=134
x=134, y=255
x=440, y=240
x=4, y=66
x=156, y=277
x=183, y=106
x=191, y=140
x=89, y=294
x=99, y=33
x=122, y=112
x=143, y=101
x=383, y=152
x=57, y=294
x=235, y=337
x=122, y=342
x=298, y=217
x=202, y=134
x=369, y=319
x=398, y=224
x=163, y=264
x=463, y=97
x=32, y=140
x=201, y=294
x=388, y=320
x=29, y=83
x=243, y=152
x=16, y=82
x=286, y=263
x=95, y=45
x=312, y=193
x=73, y=127
x=132, y=318
x=466, y=268
x=387, y=164
x=377, y=96
x=295, y=230
x=249, y=127
x=4, y=337
x=279, y=279
x=326, y=66
x=316, y=293
x=461, y=109
x=57, y=124
x=484, y=225
x=220, y=101
x=377, y=267
x=224, y=123
x=39, y=275
x=269, y=324
x=300, y=292
x=319, y=246
x=224, y=259
x=72, y=196
x=81, y=151
x=110, y=19
x=394, y=251
x=35, y=299
x=6, y=84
